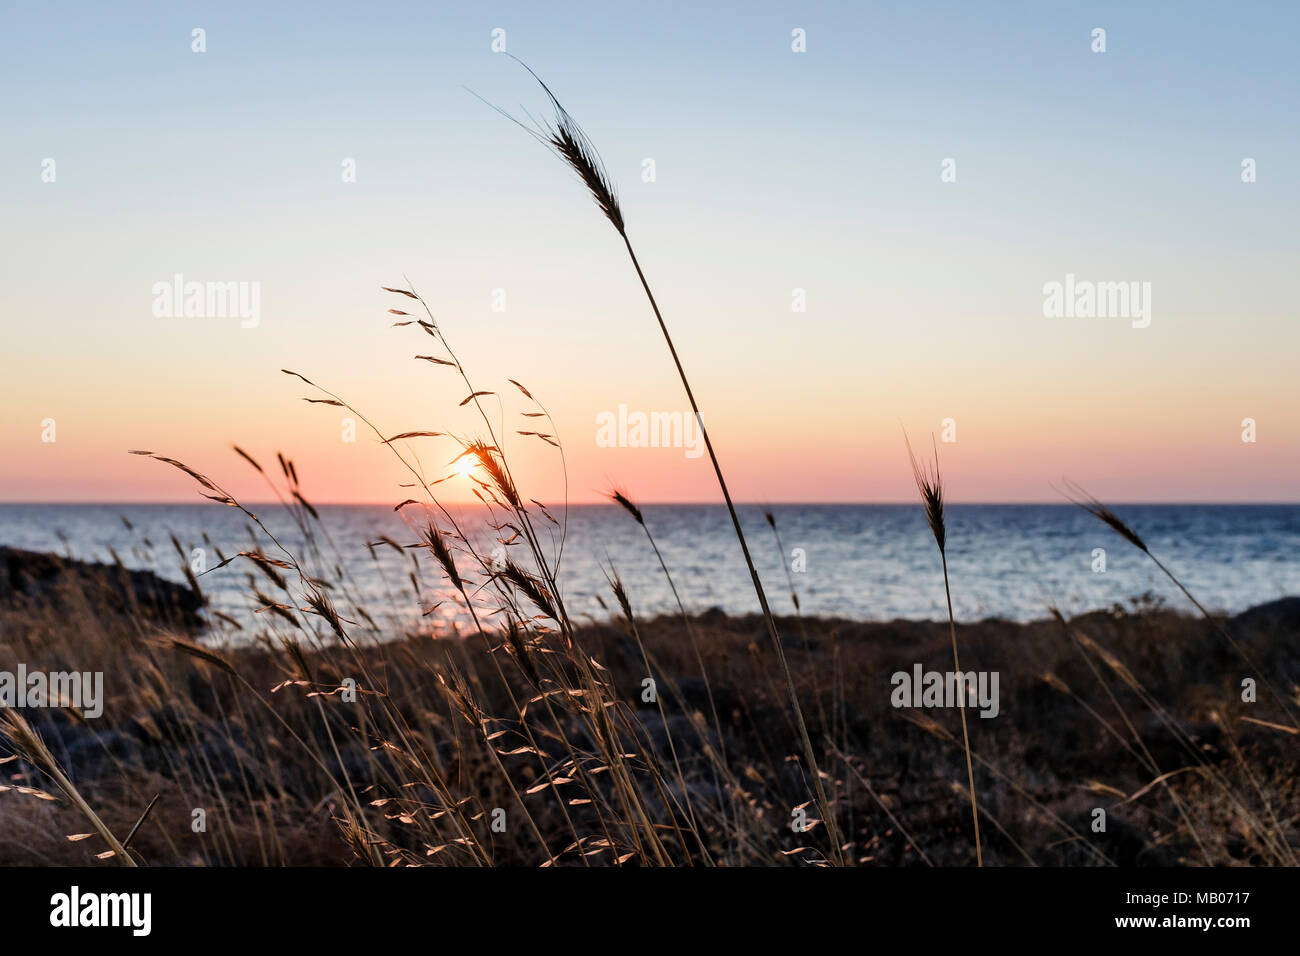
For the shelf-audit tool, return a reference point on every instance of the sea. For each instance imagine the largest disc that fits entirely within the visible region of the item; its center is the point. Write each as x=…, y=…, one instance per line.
x=863, y=562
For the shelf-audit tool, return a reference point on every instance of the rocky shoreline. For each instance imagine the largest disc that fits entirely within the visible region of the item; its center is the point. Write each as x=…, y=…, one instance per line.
x=41, y=579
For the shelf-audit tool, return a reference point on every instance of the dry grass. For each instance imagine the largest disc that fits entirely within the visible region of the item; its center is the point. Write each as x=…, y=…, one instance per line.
x=1129, y=712
x=930, y=486
x=570, y=142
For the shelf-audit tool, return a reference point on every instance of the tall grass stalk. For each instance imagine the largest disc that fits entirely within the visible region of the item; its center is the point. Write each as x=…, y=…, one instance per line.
x=1078, y=496
x=568, y=141
x=929, y=484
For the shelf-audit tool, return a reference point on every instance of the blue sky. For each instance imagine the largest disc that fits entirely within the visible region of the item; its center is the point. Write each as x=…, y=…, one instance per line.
x=775, y=170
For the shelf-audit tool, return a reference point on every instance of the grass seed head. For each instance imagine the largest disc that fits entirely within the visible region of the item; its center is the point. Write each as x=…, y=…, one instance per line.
x=930, y=485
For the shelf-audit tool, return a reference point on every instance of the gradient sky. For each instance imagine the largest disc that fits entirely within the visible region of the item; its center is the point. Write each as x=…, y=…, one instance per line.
x=775, y=171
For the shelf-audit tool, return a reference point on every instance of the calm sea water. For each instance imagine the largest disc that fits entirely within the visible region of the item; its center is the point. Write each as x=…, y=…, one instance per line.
x=860, y=561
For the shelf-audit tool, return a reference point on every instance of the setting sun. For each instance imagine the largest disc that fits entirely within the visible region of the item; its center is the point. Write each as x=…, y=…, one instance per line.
x=464, y=465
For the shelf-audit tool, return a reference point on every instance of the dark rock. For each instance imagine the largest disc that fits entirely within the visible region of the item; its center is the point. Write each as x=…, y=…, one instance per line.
x=714, y=615
x=685, y=734
x=36, y=578
x=1284, y=613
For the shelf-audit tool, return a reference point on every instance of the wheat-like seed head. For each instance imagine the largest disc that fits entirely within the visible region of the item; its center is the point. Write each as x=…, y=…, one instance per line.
x=1099, y=511
x=489, y=457
x=564, y=137
x=930, y=485
x=620, y=592
x=617, y=496
x=437, y=543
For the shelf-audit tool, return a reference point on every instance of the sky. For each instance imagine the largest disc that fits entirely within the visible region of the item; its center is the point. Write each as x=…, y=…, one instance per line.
x=780, y=179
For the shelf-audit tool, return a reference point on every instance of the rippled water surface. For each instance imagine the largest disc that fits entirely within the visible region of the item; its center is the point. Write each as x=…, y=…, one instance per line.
x=858, y=561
